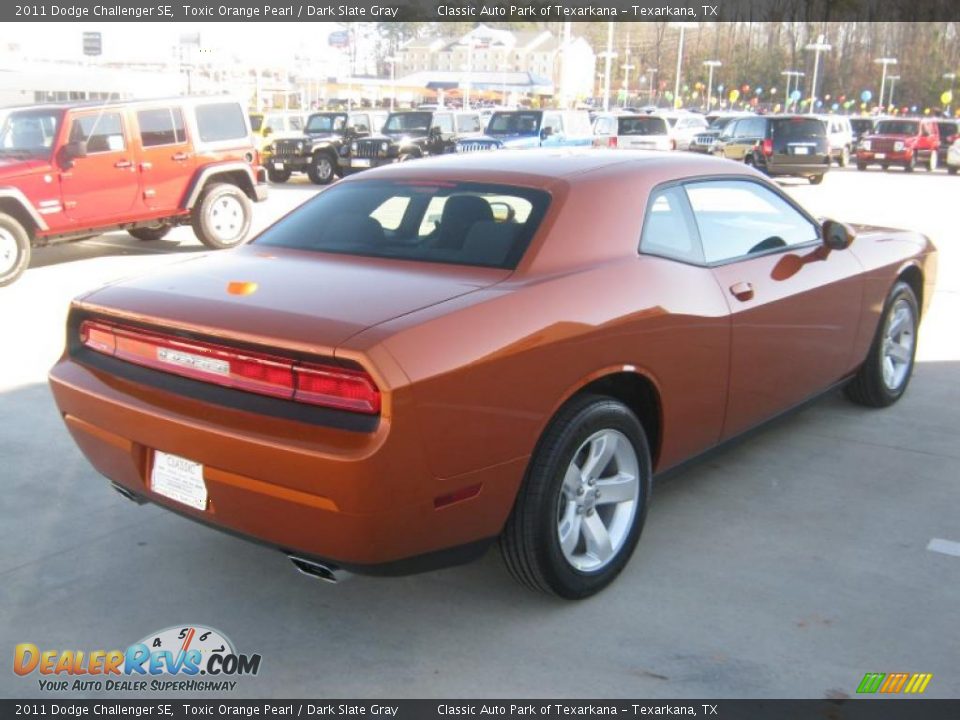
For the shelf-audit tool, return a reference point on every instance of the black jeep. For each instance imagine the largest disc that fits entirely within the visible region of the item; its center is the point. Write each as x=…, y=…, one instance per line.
x=409, y=135
x=316, y=151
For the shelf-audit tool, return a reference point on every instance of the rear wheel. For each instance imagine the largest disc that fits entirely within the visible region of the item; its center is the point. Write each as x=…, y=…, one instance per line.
x=581, y=509
x=321, y=169
x=884, y=375
x=861, y=165
x=911, y=163
x=816, y=179
x=952, y=169
x=885, y=167
x=150, y=233
x=222, y=218
x=277, y=176
x=14, y=249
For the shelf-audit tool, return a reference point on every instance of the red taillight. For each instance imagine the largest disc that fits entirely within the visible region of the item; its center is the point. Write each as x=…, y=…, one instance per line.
x=255, y=372
x=612, y=141
x=767, y=147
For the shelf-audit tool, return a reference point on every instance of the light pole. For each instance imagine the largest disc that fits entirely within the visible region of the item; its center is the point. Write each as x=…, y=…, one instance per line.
x=393, y=79
x=883, y=77
x=626, y=67
x=893, y=84
x=791, y=74
x=710, y=64
x=608, y=56
x=652, y=72
x=817, y=47
x=676, y=85
x=466, y=90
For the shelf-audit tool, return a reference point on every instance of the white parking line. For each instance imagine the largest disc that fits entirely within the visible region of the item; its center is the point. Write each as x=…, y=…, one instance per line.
x=947, y=547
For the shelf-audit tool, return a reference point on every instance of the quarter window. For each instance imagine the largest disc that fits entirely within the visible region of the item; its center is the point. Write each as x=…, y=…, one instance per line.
x=444, y=122
x=221, y=121
x=737, y=219
x=668, y=228
x=102, y=132
x=469, y=123
x=161, y=126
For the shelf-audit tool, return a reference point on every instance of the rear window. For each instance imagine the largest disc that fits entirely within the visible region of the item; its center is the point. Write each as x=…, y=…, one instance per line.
x=897, y=127
x=458, y=223
x=798, y=128
x=642, y=126
x=256, y=122
x=514, y=123
x=221, y=121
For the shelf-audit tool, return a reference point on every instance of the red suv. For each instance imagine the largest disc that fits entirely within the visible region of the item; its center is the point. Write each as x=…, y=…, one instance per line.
x=900, y=141
x=71, y=171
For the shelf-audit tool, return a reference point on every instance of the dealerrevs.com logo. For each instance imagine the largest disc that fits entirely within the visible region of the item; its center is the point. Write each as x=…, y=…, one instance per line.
x=180, y=658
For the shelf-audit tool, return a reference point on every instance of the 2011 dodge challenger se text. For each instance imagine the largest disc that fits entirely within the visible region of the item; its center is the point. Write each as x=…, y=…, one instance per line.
x=431, y=356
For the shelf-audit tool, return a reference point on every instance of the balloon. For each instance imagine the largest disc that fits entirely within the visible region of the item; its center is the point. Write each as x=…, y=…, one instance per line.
x=913, y=109
x=693, y=95
x=866, y=96
x=720, y=88
x=678, y=103
x=863, y=106
x=946, y=97
x=842, y=98
x=669, y=95
x=745, y=88
x=826, y=97
x=795, y=95
x=753, y=102
x=773, y=91
x=835, y=107
x=926, y=111
x=819, y=103
x=776, y=108
x=759, y=91
x=734, y=95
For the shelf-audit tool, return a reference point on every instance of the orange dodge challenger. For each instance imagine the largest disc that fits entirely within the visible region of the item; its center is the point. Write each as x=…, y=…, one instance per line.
x=432, y=356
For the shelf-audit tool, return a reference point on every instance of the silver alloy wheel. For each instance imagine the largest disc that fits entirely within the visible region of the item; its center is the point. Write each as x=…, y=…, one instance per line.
x=226, y=219
x=598, y=500
x=899, y=337
x=324, y=167
x=9, y=251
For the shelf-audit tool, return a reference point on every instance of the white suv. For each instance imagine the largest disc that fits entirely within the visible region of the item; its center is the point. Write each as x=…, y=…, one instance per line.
x=839, y=138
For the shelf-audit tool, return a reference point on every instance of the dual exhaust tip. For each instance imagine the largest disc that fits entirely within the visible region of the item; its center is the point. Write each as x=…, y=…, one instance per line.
x=311, y=568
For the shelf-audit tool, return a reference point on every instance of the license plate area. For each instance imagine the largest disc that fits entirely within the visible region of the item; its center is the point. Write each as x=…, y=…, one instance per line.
x=800, y=150
x=879, y=156
x=179, y=479
x=277, y=165
x=360, y=162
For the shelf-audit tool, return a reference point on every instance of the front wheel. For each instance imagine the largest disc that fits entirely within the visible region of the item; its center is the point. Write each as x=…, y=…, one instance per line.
x=148, y=234
x=952, y=169
x=14, y=249
x=581, y=509
x=321, y=169
x=277, y=176
x=816, y=179
x=911, y=163
x=222, y=218
x=884, y=375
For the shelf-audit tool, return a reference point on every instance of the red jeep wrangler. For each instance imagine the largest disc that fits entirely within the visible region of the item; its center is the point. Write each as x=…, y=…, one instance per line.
x=907, y=142
x=71, y=171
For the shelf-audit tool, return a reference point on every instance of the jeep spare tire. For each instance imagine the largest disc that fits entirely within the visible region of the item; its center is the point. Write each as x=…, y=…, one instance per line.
x=322, y=168
x=14, y=249
x=222, y=217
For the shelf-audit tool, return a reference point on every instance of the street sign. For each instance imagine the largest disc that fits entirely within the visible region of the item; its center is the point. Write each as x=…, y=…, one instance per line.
x=92, y=43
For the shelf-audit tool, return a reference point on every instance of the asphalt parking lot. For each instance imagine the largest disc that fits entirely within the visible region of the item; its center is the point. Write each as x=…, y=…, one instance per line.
x=787, y=565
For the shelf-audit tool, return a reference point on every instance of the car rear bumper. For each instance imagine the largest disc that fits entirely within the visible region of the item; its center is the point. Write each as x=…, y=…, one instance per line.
x=798, y=169
x=365, y=501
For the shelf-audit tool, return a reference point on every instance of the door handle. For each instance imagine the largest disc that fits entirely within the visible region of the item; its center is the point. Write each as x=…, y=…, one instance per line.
x=123, y=164
x=144, y=166
x=742, y=291
x=180, y=156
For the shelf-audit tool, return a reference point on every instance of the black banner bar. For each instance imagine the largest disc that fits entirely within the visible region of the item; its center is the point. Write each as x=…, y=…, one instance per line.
x=479, y=10
x=874, y=709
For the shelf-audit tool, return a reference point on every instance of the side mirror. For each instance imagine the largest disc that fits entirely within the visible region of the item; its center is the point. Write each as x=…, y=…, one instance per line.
x=435, y=131
x=837, y=235
x=73, y=150
x=267, y=131
x=546, y=132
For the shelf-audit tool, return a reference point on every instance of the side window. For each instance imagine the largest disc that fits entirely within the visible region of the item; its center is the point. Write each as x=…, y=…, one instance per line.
x=296, y=122
x=161, y=126
x=738, y=218
x=668, y=227
x=444, y=122
x=390, y=213
x=750, y=128
x=221, y=121
x=552, y=120
x=102, y=132
x=605, y=126
x=468, y=123
x=730, y=129
x=361, y=123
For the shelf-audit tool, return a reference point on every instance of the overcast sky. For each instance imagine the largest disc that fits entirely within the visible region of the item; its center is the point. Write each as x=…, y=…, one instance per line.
x=265, y=43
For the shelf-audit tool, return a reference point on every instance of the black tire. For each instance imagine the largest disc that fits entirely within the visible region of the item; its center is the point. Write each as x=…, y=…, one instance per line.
x=844, y=158
x=885, y=167
x=868, y=386
x=404, y=157
x=224, y=232
x=530, y=542
x=277, y=176
x=322, y=168
x=816, y=179
x=147, y=234
x=952, y=169
x=748, y=161
x=911, y=164
x=14, y=249
x=861, y=166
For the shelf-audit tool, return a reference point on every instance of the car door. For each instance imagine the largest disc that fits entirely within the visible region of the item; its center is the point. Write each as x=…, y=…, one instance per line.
x=166, y=157
x=556, y=135
x=747, y=133
x=439, y=141
x=794, y=305
x=102, y=186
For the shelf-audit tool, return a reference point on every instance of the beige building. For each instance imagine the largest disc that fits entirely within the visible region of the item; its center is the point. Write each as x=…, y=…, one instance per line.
x=567, y=66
